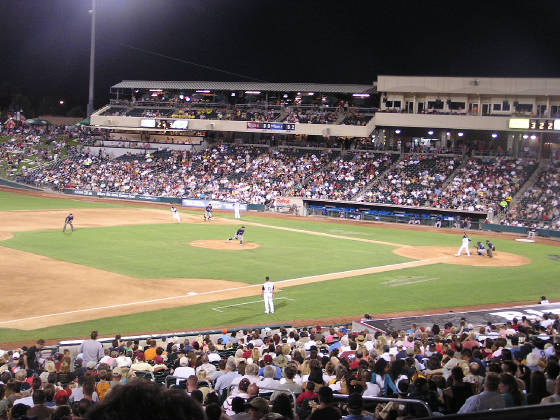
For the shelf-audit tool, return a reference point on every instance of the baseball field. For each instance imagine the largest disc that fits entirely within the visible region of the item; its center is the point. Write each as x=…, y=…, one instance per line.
x=130, y=268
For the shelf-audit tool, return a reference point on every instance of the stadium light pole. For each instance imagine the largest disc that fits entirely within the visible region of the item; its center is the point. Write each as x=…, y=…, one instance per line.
x=91, y=59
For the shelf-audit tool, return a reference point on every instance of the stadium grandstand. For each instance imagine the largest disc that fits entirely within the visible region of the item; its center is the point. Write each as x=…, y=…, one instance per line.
x=458, y=152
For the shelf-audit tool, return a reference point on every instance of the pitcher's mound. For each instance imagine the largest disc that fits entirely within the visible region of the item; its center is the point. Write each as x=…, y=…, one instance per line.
x=223, y=244
x=447, y=255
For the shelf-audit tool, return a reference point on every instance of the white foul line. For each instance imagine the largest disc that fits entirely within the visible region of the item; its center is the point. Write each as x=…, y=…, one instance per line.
x=246, y=303
x=358, y=272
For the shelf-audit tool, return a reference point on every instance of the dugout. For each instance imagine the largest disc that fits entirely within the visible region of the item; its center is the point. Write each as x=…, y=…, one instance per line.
x=378, y=212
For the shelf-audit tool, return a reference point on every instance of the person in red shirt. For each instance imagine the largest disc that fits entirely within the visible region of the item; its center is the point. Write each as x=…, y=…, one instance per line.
x=308, y=394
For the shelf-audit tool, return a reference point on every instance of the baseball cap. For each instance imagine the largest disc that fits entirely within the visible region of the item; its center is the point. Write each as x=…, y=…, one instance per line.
x=117, y=371
x=16, y=355
x=91, y=364
x=61, y=396
x=267, y=359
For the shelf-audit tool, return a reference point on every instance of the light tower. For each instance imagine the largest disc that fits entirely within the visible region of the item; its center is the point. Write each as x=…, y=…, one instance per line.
x=91, y=59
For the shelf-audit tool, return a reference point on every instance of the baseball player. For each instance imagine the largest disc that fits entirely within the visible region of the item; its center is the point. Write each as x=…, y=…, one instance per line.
x=68, y=221
x=238, y=235
x=236, y=207
x=490, y=248
x=175, y=214
x=268, y=294
x=208, y=212
x=532, y=233
x=464, y=245
x=480, y=249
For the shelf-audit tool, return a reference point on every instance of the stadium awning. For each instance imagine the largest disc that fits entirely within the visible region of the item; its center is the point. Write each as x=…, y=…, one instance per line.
x=36, y=121
x=241, y=86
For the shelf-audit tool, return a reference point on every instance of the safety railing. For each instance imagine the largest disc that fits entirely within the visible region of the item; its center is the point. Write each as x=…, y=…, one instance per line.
x=407, y=401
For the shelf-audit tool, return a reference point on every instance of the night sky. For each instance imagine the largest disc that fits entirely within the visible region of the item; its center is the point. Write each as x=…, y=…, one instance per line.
x=46, y=42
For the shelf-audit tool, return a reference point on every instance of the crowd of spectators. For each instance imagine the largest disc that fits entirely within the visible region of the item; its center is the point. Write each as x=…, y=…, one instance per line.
x=486, y=184
x=256, y=175
x=416, y=180
x=312, y=115
x=346, y=176
x=538, y=205
x=257, y=374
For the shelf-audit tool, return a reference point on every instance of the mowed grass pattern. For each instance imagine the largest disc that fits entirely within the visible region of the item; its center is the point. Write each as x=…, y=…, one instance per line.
x=163, y=251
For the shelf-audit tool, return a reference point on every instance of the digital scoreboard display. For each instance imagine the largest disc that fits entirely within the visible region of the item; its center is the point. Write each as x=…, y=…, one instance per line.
x=534, y=124
x=256, y=125
x=165, y=124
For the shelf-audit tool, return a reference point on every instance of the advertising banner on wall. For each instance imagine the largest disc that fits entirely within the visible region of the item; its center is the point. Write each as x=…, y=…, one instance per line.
x=216, y=205
x=291, y=205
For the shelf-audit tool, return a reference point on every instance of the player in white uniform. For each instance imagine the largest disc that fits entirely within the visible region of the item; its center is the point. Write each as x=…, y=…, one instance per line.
x=268, y=294
x=464, y=246
x=175, y=214
x=236, y=207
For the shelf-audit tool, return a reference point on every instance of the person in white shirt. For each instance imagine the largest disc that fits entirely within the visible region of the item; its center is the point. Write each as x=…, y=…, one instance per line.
x=183, y=371
x=236, y=208
x=268, y=294
x=464, y=246
x=175, y=214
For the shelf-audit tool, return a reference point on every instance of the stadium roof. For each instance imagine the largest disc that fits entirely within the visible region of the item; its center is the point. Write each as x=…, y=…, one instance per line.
x=235, y=86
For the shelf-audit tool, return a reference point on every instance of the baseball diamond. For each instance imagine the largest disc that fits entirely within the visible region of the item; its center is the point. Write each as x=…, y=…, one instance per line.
x=140, y=245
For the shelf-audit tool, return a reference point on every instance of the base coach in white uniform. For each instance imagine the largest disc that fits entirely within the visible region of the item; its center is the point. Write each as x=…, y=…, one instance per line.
x=268, y=294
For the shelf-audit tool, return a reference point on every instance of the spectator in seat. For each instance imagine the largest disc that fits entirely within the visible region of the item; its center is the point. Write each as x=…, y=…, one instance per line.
x=554, y=398
x=145, y=400
x=39, y=410
x=510, y=391
x=486, y=400
x=326, y=408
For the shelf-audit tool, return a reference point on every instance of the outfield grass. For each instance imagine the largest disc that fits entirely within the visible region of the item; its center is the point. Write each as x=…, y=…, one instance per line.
x=160, y=251
x=11, y=201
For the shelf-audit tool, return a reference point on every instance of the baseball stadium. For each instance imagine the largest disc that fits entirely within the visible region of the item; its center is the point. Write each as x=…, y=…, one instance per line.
x=362, y=231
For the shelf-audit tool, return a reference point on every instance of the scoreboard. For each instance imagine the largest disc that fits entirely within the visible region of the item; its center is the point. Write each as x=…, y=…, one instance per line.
x=256, y=125
x=166, y=124
x=535, y=124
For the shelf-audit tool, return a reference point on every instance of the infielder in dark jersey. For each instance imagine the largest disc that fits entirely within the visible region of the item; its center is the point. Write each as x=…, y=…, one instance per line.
x=68, y=221
x=208, y=212
x=238, y=235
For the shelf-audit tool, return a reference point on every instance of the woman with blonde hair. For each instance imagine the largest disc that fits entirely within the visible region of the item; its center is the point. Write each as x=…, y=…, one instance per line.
x=64, y=376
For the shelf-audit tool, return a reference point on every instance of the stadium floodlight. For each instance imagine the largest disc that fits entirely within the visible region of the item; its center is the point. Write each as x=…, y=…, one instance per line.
x=533, y=137
x=460, y=134
x=431, y=132
x=203, y=91
x=448, y=134
x=181, y=96
x=89, y=108
x=361, y=95
x=156, y=90
x=494, y=135
x=232, y=93
x=285, y=95
x=525, y=136
x=253, y=92
x=397, y=131
x=310, y=93
x=61, y=102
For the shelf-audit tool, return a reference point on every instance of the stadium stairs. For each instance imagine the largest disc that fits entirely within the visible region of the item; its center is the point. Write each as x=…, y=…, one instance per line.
x=454, y=173
x=543, y=166
x=375, y=181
